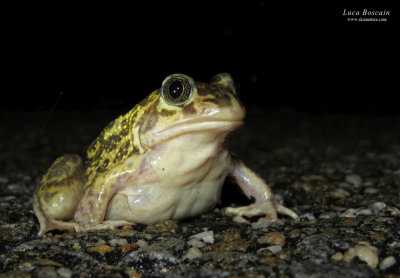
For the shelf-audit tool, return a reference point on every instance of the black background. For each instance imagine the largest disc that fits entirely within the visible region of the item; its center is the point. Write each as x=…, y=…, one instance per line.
x=308, y=58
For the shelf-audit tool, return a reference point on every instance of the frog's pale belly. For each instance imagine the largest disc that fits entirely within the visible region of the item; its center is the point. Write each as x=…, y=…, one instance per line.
x=174, y=188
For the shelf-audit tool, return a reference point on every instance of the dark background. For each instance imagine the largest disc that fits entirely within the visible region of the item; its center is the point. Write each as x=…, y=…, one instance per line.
x=307, y=58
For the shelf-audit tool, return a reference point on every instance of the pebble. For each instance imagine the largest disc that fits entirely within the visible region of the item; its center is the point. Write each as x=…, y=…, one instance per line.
x=142, y=243
x=236, y=245
x=192, y=253
x=3, y=180
x=264, y=222
x=275, y=249
x=131, y=272
x=100, y=242
x=339, y=193
x=207, y=237
x=128, y=247
x=64, y=272
x=353, y=179
x=307, y=216
x=273, y=238
x=392, y=210
x=26, y=266
x=327, y=215
x=387, y=262
x=366, y=253
x=397, y=172
x=76, y=246
x=371, y=191
x=47, y=272
x=118, y=241
x=351, y=212
x=377, y=207
x=195, y=242
x=102, y=249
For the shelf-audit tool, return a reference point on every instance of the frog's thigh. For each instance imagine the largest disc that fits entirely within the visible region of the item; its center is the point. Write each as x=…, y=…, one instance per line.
x=58, y=194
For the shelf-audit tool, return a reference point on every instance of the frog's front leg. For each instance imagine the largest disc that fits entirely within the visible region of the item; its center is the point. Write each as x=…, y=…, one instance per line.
x=91, y=211
x=255, y=187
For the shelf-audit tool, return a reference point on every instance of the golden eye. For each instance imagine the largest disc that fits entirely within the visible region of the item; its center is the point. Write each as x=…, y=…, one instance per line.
x=177, y=89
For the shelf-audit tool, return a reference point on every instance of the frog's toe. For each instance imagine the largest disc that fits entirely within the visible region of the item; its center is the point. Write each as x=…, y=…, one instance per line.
x=288, y=212
x=267, y=209
x=56, y=225
x=106, y=225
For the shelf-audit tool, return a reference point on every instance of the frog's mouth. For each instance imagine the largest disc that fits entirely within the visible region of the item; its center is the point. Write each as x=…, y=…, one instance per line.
x=196, y=126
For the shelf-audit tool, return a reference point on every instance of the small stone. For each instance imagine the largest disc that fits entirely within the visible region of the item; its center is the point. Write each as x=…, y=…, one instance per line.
x=327, y=215
x=397, y=172
x=365, y=212
x=355, y=180
x=48, y=262
x=195, y=242
x=275, y=249
x=128, y=247
x=207, y=237
x=262, y=223
x=125, y=233
x=392, y=210
x=349, y=222
x=3, y=180
x=192, y=253
x=337, y=256
x=387, y=262
x=118, y=241
x=307, y=216
x=100, y=242
x=273, y=238
x=26, y=266
x=131, y=273
x=236, y=245
x=378, y=236
x=377, y=207
x=294, y=233
x=339, y=193
x=142, y=243
x=64, y=272
x=76, y=246
x=349, y=213
x=47, y=272
x=164, y=227
x=102, y=249
x=371, y=191
x=366, y=253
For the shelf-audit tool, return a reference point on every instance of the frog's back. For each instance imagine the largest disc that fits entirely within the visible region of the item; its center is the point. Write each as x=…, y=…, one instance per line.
x=117, y=141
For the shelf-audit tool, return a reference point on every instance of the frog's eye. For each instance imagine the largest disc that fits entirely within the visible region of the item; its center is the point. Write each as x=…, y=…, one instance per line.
x=177, y=89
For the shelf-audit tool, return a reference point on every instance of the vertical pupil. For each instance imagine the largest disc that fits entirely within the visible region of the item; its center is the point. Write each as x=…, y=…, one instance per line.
x=175, y=89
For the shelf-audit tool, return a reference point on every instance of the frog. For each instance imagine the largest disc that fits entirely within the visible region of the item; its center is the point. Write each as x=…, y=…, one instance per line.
x=165, y=159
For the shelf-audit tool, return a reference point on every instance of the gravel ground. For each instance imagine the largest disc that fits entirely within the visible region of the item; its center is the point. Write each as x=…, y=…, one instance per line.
x=340, y=173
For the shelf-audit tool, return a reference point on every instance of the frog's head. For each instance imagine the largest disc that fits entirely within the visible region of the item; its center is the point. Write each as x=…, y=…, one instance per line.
x=183, y=106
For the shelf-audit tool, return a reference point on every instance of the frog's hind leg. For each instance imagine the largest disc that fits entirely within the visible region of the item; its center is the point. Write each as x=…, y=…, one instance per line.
x=105, y=225
x=48, y=223
x=58, y=194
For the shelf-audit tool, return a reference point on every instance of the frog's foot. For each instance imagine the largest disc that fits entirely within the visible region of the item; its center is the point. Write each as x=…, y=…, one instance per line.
x=105, y=225
x=48, y=223
x=52, y=224
x=267, y=209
